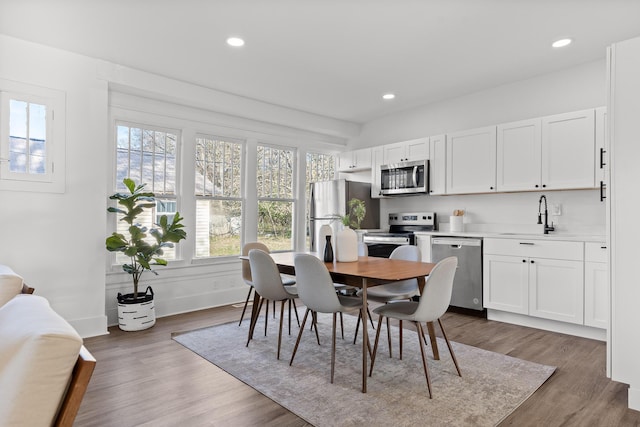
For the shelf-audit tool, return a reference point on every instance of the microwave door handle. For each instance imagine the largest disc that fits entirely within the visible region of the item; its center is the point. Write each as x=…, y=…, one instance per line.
x=415, y=177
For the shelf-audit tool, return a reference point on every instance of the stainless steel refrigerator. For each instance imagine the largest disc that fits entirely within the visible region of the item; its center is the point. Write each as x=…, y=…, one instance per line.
x=328, y=201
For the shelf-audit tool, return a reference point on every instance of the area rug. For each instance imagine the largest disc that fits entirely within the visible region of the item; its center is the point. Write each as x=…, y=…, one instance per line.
x=491, y=387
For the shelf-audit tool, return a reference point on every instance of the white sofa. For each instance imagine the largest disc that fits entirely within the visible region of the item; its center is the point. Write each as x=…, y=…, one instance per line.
x=41, y=359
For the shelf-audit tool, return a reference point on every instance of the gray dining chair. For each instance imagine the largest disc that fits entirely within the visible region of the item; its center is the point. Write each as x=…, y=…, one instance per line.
x=316, y=291
x=401, y=290
x=269, y=286
x=434, y=302
x=246, y=276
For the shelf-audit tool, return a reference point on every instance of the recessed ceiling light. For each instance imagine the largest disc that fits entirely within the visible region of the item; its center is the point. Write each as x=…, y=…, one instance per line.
x=388, y=96
x=235, y=41
x=561, y=43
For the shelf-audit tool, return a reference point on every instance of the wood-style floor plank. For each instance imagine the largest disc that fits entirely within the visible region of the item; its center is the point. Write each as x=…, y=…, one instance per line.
x=146, y=379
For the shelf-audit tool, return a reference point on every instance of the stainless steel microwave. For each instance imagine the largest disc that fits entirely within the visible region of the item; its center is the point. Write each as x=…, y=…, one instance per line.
x=404, y=178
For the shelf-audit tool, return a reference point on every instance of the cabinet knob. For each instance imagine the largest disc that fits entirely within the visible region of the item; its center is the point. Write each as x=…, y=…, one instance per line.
x=537, y=186
x=544, y=185
x=491, y=188
x=532, y=261
x=524, y=260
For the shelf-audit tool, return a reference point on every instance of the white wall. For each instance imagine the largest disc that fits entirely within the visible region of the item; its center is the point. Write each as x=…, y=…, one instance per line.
x=564, y=91
x=55, y=241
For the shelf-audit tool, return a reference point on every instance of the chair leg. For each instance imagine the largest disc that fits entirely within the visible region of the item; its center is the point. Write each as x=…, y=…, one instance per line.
x=375, y=346
x=424, y=358
x=295, y=310
x=254, y=319
x=357, y=327
x=453, y=356
x=341, y=326
x=280, y=329
x=246, y=303
x=333, y=347
x=315, y=322
x=370, y=318
x=389, y=337
x=295, y=348
x=274, y=309
x=266, y=317
x=400, y=338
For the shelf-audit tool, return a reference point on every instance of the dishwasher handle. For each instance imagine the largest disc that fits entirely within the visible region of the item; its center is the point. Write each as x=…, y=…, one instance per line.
x=456, y=243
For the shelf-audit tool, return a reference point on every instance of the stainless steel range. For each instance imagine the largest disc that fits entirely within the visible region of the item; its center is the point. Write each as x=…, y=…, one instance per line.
x=401, y=232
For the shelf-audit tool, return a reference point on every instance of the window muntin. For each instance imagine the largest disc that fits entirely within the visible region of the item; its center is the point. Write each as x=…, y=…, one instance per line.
x=148, y=155
x=219, y=202
x=275, y=189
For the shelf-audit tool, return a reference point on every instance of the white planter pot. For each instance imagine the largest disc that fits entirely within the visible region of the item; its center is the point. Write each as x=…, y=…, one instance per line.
x=136, y=314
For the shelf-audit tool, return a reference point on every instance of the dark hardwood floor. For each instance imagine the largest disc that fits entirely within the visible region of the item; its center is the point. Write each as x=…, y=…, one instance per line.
x=145, y=378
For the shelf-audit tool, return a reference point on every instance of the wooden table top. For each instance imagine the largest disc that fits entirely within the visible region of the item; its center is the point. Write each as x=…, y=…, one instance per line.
x=383, y=269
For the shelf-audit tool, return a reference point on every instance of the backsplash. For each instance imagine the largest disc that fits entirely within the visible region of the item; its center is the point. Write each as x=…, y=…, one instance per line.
x=581, y=210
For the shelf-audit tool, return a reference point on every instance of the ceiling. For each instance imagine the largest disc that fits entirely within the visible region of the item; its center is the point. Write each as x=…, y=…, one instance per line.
x=335, y=58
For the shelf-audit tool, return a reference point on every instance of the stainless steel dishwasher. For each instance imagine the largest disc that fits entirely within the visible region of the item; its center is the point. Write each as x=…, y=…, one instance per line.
x=467, y=283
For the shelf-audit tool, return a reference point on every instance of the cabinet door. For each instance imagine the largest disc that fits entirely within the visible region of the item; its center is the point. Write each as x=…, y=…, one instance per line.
x=345, y=161
x=596, y=295
x=506, y=283
x=601, y=146
x=362, y=159
x=437, y=165
x=393, y=153
x=568, y=146
x=424, y=243
x=471, y=161
x=556, y=289
x=416, y=149
x=376, y=161
x=519, y=151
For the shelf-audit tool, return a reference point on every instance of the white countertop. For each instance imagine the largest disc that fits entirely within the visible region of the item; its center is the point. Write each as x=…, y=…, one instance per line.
x=529, y=236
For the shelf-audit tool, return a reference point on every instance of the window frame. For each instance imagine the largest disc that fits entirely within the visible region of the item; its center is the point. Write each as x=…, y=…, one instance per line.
x=53, y=180
x=293, y=199
x=241, y=198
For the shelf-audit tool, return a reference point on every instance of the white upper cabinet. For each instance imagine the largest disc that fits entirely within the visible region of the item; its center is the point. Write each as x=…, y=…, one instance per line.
x=437, y=165
x=568, y=147
x=406, y=151
x=354, y=161
x=376, y=162
x=519, y=151
x=601, y=147
x=471, y=161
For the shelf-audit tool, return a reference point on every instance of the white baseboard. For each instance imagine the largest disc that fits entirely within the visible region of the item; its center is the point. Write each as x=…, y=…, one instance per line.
x=634, y=398
x=90, y=327
x=548, y=325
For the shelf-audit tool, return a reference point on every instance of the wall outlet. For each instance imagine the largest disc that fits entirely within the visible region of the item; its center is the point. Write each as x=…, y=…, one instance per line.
x=555, y=209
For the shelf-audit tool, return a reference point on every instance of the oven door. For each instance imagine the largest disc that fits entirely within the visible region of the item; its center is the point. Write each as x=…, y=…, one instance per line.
x=383, y=246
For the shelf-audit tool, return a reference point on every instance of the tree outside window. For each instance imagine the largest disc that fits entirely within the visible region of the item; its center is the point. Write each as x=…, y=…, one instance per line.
x=219, y=198
x=275, y=173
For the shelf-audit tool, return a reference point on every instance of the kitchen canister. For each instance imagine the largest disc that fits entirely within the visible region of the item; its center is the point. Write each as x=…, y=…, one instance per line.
x=456, y=223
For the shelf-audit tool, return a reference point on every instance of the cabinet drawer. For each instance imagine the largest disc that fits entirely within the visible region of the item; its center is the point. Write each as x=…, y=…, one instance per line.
x=535, y=248
x=596, y=252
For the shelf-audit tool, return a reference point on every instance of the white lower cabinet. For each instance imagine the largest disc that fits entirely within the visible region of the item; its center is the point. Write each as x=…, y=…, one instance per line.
x=596, y=286
x=556, y=289
x=517, y=278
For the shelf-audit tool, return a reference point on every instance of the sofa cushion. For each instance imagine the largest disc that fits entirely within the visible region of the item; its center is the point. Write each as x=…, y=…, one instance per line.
x=10, y=284
x=38, y=350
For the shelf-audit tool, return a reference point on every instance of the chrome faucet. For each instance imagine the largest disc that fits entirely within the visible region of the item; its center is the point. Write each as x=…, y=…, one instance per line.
x=547, y=228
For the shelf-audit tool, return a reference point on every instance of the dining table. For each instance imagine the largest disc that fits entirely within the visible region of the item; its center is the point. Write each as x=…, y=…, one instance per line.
x=364, y=273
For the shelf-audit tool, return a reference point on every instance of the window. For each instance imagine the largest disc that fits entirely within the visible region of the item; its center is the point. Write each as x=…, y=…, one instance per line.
x=32, y=143
x=275, y=173
x=218, y=175
x=320, y=167
x=148, y=156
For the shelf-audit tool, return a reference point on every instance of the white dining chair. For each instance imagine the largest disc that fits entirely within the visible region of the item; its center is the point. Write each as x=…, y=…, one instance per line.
x=316, y=291
x=434, y=302
x=246, y=276
x=401, y=290
x=269, y=286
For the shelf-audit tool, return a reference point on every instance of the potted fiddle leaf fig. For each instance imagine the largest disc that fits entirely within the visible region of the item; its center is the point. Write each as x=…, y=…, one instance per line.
x=136, y=310
x=356, y=213
x=347, y=238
